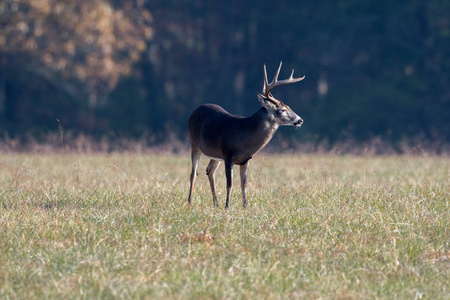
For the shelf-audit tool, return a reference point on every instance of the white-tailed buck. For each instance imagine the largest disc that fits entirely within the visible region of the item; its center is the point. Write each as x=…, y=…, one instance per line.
x=233, y=139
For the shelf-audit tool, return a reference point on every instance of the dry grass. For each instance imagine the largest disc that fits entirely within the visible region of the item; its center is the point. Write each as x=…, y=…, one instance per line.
x=118, y=226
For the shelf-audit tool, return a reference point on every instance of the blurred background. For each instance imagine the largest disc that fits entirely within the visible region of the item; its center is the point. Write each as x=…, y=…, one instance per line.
x=376, y=71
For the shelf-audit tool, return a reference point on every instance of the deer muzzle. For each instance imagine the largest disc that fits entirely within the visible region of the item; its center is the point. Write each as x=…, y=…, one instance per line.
x=298, y=122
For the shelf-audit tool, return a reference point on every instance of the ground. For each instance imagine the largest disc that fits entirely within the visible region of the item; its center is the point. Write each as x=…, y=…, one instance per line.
x=119, y=226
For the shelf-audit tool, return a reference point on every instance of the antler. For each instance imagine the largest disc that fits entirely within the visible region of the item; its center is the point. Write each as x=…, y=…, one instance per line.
x=275, y=83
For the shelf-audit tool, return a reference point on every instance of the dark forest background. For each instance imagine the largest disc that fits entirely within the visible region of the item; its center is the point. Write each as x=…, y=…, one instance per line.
x=375, y=70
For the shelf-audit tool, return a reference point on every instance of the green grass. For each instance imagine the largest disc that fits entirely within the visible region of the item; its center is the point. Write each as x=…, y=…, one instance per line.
x=118, y=226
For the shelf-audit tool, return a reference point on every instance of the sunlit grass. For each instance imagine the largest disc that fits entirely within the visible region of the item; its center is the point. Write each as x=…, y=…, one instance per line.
x=102, y=226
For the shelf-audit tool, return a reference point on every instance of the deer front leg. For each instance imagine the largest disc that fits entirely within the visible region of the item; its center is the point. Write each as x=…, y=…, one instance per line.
x=195, y=157
x=229, y=175
x=210, y=171
x=244, y=169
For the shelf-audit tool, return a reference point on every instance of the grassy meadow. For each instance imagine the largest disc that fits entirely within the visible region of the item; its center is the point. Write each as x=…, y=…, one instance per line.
x=118, y=226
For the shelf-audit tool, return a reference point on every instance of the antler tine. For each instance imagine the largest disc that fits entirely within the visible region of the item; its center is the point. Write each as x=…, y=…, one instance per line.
x=299, y=78
x=266, y=83
x=275, y=78
x=268, y=87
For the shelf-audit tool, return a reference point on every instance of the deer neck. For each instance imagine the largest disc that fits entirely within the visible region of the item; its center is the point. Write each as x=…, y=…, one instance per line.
x=260, y=129
x=264, y=121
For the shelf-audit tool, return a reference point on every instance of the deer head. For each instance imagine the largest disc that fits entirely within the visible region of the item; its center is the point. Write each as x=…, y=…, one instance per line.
x=279, y=112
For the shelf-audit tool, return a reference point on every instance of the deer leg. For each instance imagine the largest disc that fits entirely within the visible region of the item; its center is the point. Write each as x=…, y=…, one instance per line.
x=195, y=157
x=229, y=175
x=244, y=169
x=210, y=171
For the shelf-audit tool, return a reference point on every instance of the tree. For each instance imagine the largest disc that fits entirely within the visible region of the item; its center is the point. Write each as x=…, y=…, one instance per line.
x=81, y=47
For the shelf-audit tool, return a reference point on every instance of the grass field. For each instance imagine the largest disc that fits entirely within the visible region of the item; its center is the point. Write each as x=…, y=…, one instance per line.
x=118, y=226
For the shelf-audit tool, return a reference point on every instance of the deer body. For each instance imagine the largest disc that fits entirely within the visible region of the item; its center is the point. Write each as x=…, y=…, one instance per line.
x=235, y=139
x=221, y=135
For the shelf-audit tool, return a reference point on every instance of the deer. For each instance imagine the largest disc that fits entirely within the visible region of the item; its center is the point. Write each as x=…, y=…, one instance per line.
x=234, y=139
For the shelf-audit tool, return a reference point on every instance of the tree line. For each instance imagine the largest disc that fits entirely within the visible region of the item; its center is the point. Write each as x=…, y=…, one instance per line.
x=374, y=69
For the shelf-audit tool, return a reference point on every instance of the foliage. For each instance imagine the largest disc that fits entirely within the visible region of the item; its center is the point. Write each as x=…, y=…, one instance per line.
x=118, y=226
x=373, y=69
x=90, y=42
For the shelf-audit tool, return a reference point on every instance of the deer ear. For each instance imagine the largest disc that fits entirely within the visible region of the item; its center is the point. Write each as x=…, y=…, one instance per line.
x=264, y=102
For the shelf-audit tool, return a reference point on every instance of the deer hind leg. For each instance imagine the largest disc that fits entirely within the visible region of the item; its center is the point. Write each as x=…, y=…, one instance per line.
x=229, y=175
x=210, y=171
x=195, y=157
x=243, y=171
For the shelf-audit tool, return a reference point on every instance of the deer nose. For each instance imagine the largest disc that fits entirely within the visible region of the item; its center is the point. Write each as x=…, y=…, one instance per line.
x=298, y=122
